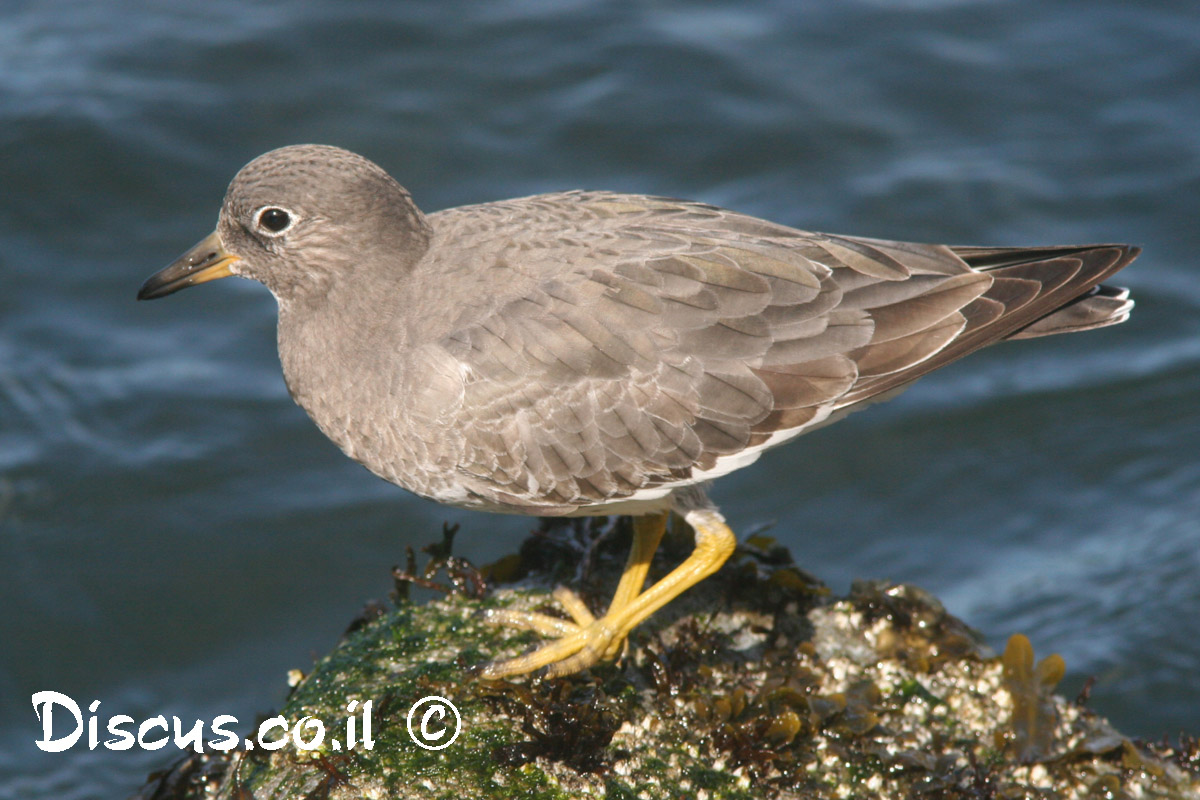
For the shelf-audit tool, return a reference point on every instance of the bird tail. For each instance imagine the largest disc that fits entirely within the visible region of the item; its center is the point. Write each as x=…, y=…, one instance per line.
x=1088, y=303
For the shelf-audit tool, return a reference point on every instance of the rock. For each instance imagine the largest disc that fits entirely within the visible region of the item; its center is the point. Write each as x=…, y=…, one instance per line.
x=757, y=685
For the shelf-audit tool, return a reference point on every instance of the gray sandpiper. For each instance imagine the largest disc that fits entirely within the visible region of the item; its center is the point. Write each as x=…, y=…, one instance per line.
x=592, y=353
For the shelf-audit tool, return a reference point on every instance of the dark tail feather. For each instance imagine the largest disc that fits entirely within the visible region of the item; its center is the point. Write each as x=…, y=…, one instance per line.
x=1035, y=292
x=1086, y=304
x=1102, y=306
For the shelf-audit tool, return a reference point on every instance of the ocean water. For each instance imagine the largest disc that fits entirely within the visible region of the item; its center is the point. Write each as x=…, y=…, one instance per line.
x=175, y=535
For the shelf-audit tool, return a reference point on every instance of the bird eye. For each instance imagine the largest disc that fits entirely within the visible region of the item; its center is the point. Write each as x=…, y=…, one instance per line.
x=274, y=220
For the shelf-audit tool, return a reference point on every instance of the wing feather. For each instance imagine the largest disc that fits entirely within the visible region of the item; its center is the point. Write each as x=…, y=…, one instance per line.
x=622, y=343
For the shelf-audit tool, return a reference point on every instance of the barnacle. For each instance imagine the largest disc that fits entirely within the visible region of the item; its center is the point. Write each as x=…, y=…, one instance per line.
x=922, y=634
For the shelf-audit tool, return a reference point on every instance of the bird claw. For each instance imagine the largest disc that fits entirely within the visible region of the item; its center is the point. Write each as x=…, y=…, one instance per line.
x=578, y=644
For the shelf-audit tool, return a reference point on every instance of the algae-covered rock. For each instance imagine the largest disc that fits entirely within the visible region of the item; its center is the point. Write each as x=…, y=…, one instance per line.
x=758, y=684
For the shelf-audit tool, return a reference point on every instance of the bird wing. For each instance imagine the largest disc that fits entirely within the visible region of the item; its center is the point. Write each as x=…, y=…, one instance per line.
x=634, y=343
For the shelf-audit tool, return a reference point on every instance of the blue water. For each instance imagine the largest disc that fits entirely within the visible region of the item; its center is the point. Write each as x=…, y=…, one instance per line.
x=175, y=535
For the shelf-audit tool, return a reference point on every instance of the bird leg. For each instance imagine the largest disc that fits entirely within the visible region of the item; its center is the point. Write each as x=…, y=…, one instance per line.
x=586, y=640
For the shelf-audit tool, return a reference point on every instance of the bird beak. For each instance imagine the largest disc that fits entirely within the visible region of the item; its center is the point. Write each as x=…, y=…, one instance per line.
x=205, y=262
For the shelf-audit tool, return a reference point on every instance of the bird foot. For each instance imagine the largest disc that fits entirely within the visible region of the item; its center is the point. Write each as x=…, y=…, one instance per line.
x=584, y=640
x=581, y=642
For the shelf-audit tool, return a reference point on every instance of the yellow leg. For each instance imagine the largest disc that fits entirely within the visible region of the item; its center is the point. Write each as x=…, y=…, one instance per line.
x=647, y=533
x=582, y=644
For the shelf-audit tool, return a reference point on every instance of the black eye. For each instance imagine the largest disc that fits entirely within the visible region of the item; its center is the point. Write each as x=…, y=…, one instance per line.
x=274, y=219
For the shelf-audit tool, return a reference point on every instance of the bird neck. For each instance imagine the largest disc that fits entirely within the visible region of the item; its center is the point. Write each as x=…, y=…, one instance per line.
x=340, y=356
